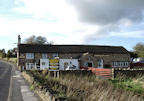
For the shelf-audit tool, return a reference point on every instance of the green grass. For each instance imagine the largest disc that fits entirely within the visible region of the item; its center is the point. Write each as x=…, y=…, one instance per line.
x=14, y=60
x=89, y=88
x=132, y=84
x=32, y=87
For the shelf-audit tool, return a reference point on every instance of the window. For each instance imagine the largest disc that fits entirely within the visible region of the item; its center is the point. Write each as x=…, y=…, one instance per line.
x=55, y=55
x=29, y=55
x=22, y=54
x=43, y=63
x=44, y=56
x=30, y=66
x=120, y=64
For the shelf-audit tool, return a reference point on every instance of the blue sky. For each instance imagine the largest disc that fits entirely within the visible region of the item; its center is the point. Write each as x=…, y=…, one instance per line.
x=97, y=22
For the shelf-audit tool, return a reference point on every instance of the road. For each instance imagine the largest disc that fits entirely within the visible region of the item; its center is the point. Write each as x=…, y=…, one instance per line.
x=13, y=87
x=5, y=76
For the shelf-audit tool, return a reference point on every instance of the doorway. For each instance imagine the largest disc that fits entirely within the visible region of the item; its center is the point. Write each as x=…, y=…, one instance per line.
x=89, y=64
x=100, y=63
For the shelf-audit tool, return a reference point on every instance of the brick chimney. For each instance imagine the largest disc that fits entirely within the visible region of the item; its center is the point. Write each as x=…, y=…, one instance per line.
x=19, y=39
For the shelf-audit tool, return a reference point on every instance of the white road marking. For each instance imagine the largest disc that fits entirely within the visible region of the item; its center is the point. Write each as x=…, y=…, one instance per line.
x=17, y=76
x=10, y=90
x=21, y=81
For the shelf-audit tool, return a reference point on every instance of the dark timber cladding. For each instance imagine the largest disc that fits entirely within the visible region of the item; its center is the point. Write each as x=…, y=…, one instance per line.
x=35, y=48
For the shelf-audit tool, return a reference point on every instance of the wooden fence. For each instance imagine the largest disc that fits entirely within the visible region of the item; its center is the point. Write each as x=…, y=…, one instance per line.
x=115, y=72
x=100, y=72
x=130, y=73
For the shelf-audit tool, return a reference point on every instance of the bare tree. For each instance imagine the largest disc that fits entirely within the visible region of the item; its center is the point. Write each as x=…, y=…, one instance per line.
x=36, y=40
x=40, y=40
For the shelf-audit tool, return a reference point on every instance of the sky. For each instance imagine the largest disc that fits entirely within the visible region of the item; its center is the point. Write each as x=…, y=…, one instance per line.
x=92, y=22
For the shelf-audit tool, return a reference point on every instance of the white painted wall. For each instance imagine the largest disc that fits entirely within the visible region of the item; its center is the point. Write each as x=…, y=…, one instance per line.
x=68, y=64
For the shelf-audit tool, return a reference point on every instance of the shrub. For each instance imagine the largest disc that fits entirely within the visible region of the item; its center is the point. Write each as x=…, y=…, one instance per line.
x=78, y=87
x=107, y=66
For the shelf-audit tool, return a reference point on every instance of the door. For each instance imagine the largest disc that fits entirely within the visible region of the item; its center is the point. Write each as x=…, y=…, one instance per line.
x=89, y=64
x=100, y=63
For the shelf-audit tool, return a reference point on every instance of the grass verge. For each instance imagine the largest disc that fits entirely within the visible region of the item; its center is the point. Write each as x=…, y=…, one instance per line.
x=87, y=87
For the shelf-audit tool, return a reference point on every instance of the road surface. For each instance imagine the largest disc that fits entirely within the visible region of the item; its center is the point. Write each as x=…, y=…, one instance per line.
x=12, y=85
x=5, y=76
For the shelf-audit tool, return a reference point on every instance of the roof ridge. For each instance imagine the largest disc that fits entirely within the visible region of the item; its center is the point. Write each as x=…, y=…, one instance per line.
x=71, y=48
x=71, y=45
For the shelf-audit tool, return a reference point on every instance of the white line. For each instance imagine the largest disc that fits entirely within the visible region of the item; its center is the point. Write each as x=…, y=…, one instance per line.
x=10, y=91
x=10, y=88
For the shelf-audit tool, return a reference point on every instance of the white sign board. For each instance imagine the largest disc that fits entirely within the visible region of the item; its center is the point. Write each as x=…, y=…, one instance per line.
x=68, y=64
x=44, y=64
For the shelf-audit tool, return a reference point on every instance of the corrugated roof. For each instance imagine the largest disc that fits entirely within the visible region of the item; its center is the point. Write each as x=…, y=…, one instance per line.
x=36, y=48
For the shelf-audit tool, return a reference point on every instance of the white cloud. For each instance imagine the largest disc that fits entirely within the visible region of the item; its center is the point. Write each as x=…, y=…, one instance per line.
x=58, y=21
x=69, y=32
x=130, y=34
x=55, y=9
x=105, y=12
x=48, y=17
x=109, y=14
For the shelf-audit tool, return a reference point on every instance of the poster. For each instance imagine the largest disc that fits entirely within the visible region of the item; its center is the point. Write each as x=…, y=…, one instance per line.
x=69, y=64
x=44, y=64
x=53, y=64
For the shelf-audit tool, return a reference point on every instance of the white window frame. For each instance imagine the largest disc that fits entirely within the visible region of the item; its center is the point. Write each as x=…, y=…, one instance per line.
x=30, y=66
x=120, y=64
x=44, y=56
x=21, y=54
x=127, y=63
x=29, y=55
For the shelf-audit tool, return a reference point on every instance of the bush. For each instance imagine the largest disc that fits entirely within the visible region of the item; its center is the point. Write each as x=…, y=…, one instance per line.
x=107, y=66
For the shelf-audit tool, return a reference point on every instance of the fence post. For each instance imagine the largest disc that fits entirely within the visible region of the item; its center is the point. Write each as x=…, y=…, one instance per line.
x=54, y=74
x=57, y=74
x=113, y=75
x=49, y=73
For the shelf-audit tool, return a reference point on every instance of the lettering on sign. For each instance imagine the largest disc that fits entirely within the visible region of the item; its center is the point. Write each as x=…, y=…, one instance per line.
x=54, y=65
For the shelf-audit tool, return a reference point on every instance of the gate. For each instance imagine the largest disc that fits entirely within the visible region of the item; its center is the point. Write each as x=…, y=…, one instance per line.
x=100, y=72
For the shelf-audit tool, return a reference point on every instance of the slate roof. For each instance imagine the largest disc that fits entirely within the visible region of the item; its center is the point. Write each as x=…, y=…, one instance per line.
x=35, y=48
